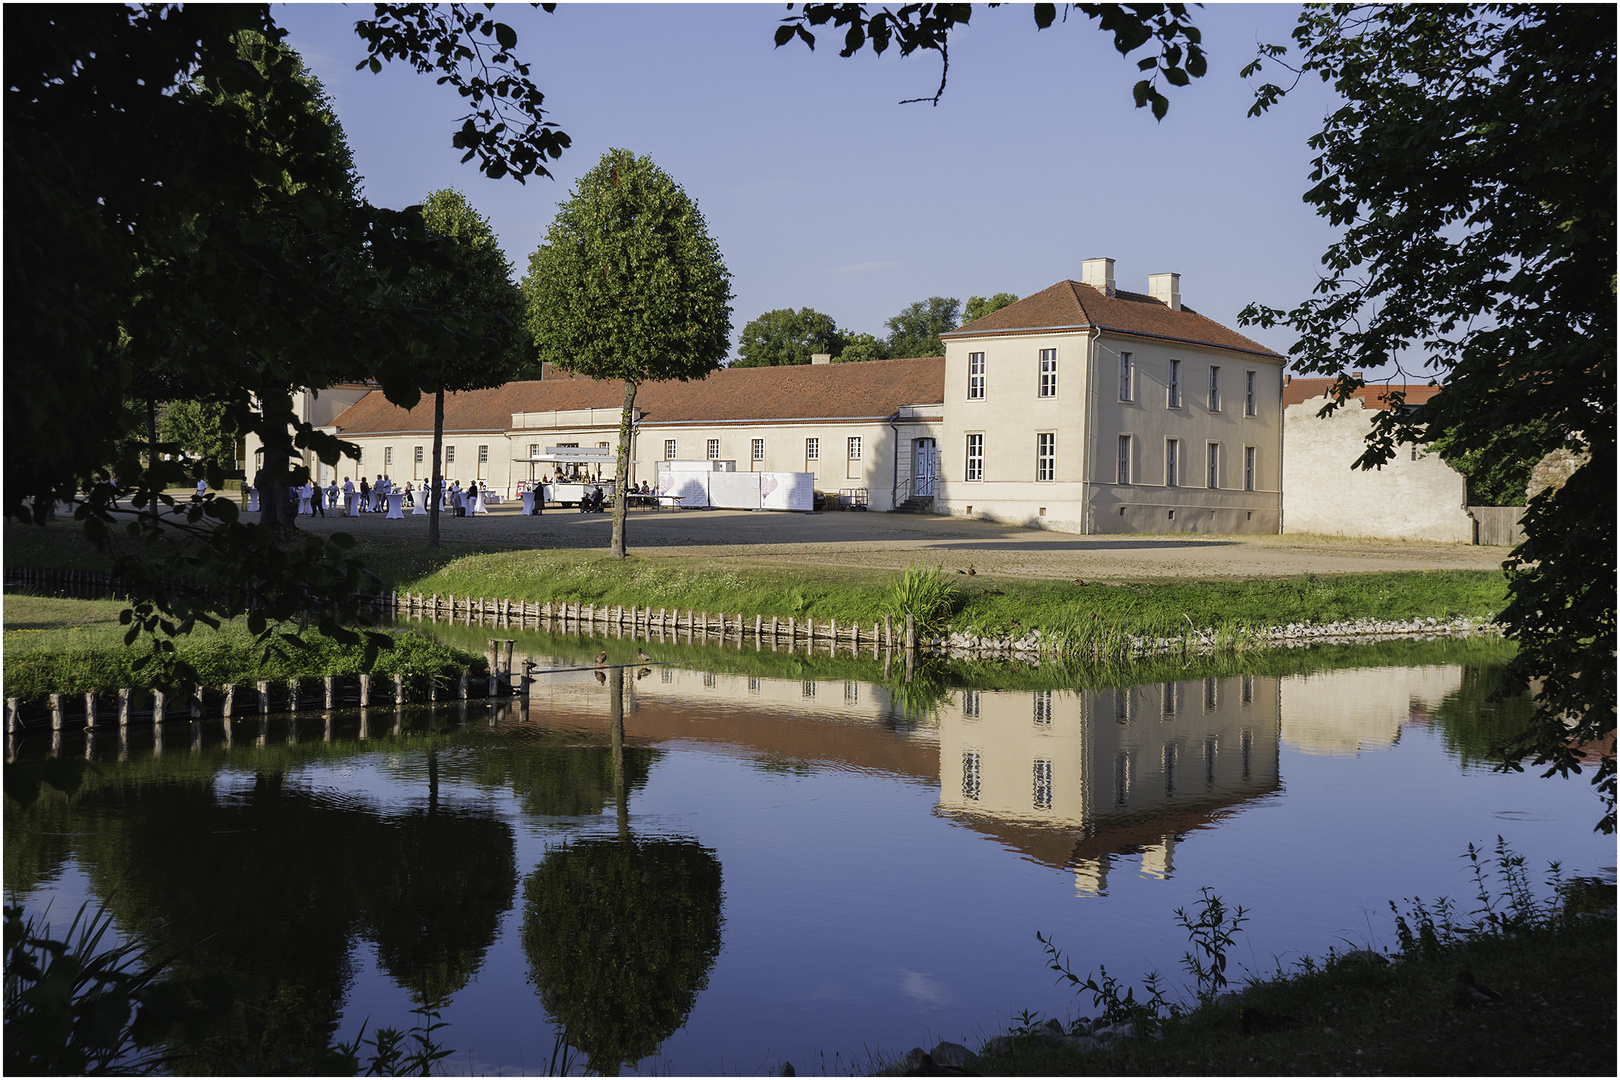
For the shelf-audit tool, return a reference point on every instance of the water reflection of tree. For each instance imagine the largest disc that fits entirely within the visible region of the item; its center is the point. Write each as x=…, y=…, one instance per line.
x=269, y=889
x=621, y=934
x=1471, y=724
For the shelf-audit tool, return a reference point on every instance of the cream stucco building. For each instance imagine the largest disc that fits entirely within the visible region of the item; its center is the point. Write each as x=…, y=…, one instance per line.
x=1085, y=408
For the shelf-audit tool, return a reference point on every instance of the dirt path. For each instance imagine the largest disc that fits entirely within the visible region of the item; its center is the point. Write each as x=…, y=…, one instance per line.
x=892, y=541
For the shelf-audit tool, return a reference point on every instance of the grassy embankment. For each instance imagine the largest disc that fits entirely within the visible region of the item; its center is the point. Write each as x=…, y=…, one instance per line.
x=72, y=646
x=985, y=604
x=1554, y=968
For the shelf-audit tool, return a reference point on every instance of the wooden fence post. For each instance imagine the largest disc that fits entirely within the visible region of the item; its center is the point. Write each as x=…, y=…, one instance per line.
x=123, y=707
x=89, y=708
x=911, y=633
x=264, y=696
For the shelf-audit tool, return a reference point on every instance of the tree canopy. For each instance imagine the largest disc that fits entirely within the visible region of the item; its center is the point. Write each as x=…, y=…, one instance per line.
x=978, y=307
x=785, y=336
x=915, y=331
x=928, y=28
x=473, y=286
x=629, y=285
x=858, y=347
x=1472, y=173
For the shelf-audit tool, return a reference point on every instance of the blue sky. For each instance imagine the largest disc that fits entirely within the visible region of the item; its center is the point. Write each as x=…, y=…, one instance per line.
x=822, y=191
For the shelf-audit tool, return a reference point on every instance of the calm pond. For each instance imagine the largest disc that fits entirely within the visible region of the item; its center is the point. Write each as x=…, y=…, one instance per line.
x=800, y=869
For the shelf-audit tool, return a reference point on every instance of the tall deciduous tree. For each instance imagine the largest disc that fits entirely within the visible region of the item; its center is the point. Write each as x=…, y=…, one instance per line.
x=1472, y=171
x=978, y=307
x=175, y=192
x=785, y=336
x=475, y=286
x=858, y=347
x=629, y=285
x=204, y=429
x=915, y=331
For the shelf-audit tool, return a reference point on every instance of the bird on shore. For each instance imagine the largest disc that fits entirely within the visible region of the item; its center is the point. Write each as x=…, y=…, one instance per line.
x=1468, y=993
x=970, y=572
x=601, y=658
x=641, y=655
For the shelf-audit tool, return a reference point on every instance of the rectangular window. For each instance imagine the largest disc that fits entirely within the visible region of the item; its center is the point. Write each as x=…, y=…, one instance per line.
x=1122, y=779
x=970, y=704
x=1248, y=468
x=1214, y=389
x=449, y=455
x=1167, y=706
x=1043, y=784
x=812, y=449
x=970, y=776
x=1127, y=381
x=1042, y=700
x=602, y=445
x=1248, y=393
x=854, y=448
x=419, y=455
x=1123, y=476
x=388, y=455
x=1172, y=462
x=1048, y=373
x=975, y=376
x=975, y=458
x=483, y=455
x=759, y=449
x=714, y=449
x=1214, y=471
x=1169, y=767
x=1045, y=455
x=1173, y=398
x=669, y=449
x=534, y=451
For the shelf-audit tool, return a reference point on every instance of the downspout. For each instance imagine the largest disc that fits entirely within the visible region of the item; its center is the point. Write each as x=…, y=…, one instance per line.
x=1281, y=421
x=894, y=472
x=1093, y=336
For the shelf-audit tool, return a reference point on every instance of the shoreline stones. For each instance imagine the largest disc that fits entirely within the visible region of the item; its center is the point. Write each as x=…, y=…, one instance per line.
x=1034, y=645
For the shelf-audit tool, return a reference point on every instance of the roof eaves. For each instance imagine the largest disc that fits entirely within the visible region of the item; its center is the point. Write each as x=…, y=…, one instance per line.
x=1020, y=330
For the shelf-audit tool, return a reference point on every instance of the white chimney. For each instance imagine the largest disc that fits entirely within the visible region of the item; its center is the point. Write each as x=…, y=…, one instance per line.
x=1099, y=274
x=1167, y=289
x=821, y=358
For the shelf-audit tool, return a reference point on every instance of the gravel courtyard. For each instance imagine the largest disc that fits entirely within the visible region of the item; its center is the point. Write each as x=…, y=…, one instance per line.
x=894, y=541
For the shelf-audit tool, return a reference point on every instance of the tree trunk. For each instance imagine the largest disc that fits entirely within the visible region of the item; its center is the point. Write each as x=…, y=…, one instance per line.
x=437, y=477
x=620, y=503
x=272, y=479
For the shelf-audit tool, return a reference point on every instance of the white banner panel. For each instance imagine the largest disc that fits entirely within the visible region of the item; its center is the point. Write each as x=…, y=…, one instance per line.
x=691, y=488
x=734, y=490
x=787, y=490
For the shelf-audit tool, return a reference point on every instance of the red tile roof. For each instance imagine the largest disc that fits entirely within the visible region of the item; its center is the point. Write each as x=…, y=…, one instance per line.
x=869, y=390
x=1071, y=304
x=1297, y=391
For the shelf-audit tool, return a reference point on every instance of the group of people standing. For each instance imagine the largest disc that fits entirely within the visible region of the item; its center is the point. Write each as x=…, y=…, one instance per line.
x=372, y=498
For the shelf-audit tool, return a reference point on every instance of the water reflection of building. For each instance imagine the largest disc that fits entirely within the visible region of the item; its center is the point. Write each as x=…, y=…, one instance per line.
x=1349, y=711
x=1081, y=778
x=1069, y=779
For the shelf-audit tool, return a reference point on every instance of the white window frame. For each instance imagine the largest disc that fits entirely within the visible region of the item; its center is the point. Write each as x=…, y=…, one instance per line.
x=1214, y=388
x=1045, y=456
x=976, y=369
x=974, y=470
x=1248, y=394
x=853, y=447
x=1173, y=387
x=714, y=449
x=1212, y=467
x=812, y=449
x=449, y=454
x=1248, y=468
x=757, y=449
x=388, y=455
x=419, y=455
x=1127, y=378
x=1122, y=473
x=1048, y=371
x=1172, y=463
x=669, y=449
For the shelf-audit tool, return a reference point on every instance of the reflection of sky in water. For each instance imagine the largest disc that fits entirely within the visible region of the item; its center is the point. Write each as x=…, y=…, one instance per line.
x=858, y=914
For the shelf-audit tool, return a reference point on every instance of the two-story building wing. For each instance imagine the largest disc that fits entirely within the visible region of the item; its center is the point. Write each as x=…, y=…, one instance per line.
x=1087, y=409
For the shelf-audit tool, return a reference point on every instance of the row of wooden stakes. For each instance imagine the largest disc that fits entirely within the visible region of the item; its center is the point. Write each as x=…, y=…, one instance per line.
x=483, y=611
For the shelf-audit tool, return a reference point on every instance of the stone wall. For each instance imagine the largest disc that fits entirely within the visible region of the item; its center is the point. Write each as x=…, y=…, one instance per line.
x=1408, y=499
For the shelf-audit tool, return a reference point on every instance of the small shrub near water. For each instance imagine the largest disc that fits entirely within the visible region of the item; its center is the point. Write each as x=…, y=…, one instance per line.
x=927, y=597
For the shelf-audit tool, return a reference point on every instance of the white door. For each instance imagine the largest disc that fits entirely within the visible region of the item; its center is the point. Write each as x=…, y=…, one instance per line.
x=924, y=466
